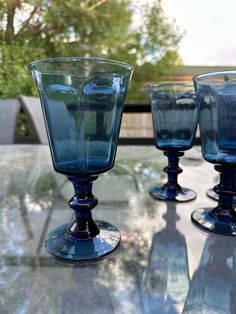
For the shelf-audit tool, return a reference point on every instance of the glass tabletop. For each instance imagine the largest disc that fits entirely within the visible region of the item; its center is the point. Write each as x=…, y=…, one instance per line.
x=163, y=264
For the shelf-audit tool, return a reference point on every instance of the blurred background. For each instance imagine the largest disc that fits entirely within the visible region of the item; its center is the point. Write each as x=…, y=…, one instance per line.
x=164, y=40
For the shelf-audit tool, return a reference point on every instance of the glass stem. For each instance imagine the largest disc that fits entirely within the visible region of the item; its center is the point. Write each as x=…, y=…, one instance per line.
x=226, y=191
x=83, y=227
x=173, y=170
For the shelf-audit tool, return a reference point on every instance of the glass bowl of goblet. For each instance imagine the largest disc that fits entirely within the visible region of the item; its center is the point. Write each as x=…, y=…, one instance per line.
x=82, y=101
x=216, y=95
x=175, y=119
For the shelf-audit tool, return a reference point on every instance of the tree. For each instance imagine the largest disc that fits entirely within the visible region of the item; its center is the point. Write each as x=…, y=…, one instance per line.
x=36, y=29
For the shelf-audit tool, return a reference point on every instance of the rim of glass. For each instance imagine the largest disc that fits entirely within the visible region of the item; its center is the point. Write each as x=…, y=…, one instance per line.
x=71, y=59
x=169, y=84
x=211, y=74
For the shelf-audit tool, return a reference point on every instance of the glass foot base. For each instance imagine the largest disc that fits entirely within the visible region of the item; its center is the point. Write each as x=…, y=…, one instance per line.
x=212, y=194
x=60, y=245
x=184, y=195
x=203, y=219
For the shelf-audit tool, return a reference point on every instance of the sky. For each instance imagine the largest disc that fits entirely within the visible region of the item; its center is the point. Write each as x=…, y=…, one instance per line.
x=210, y=30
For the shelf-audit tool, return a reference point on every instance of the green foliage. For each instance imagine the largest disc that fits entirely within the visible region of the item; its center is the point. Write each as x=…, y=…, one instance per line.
x=37, y=29
x=14, y=76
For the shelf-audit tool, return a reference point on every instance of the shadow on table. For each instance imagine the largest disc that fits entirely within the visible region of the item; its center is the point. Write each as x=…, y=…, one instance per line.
x=166, y=280
x=86, y=294
x=213, y=286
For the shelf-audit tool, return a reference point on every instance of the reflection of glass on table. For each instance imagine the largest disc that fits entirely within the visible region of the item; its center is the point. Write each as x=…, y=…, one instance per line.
x=166, y=279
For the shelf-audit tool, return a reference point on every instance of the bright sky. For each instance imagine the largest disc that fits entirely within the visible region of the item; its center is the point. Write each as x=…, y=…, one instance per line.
x=210, y=27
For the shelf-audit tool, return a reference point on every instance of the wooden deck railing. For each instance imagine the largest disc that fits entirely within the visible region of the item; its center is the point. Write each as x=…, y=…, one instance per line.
x=136, y=127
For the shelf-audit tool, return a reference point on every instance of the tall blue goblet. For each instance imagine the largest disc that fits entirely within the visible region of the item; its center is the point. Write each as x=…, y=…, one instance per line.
x=213, y=195
x=175, y=118
x=216, y=95
x=82, y=101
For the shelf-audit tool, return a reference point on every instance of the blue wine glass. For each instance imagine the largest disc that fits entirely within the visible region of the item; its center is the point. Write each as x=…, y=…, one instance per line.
x=216, y=95
x=82, y=101
x=213, y=195
x=175, y=119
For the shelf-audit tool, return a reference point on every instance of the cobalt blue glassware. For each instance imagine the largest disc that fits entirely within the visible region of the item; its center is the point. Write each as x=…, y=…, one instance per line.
x=175, y=118
x=216, y=95
x=82, y=101
x=213, y=195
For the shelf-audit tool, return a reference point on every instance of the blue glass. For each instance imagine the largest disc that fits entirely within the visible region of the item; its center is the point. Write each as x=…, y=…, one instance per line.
x=175, y=119
x=213, y=195
x=82, y=101
x=216, y=95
